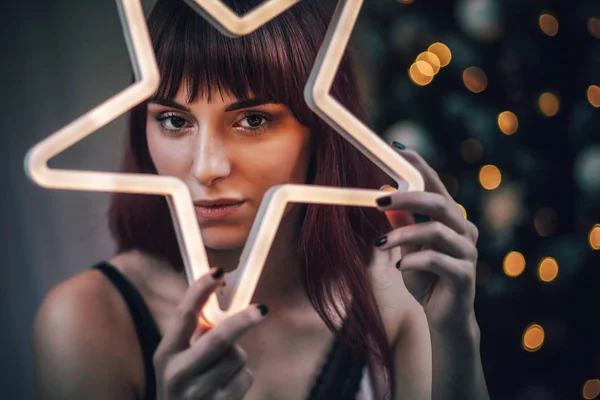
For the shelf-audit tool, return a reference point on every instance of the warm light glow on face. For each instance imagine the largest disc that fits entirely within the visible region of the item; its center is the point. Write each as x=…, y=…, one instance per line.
x=591, y=389
x=508, y=122
x=548, y=104
x=593, y=95
x=430, y=59
x=593, y=26
x=533, y=338
x=594, y=237
x=514, y=264
x=421, y=73
x=475, y=79
x=471, y=150
x=442, y=52
x=548, y=269
x=544, y=221
x=548, y=24
x=490, y=177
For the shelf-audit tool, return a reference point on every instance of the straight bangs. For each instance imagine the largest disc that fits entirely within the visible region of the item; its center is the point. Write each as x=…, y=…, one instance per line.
x=271, y=63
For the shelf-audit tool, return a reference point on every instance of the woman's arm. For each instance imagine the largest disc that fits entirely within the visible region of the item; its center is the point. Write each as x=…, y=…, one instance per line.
x=438, y=268
x=412, y=356
x=457, y=369
x=430, y=365
x=81, y=343
x=406, y=326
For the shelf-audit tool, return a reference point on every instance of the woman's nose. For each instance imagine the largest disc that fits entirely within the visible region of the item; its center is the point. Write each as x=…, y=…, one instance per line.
x=211, y=161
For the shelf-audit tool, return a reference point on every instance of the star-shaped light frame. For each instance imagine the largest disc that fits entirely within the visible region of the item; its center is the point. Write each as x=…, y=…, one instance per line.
x=275, y=200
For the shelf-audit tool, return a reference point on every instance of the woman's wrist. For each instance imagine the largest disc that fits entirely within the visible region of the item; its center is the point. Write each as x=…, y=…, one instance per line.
x=457, y=369
x=464, y=332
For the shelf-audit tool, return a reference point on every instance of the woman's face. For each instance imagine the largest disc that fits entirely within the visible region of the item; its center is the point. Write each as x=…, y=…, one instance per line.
x=226, y=151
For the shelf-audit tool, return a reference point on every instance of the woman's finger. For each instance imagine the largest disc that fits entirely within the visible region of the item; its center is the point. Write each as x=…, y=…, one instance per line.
x=178, y=336
x=453, y=271
x=434, y=235
x=214, y=343
x=433, y=205
x=237, y=387
x=432, y=180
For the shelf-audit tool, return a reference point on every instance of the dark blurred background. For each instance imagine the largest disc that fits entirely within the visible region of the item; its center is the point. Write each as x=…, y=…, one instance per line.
x=502, y=97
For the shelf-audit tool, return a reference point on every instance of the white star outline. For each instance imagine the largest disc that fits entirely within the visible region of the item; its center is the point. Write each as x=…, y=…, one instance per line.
x=272, y=207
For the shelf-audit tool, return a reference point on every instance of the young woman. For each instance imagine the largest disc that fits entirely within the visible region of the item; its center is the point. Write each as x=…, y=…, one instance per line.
x=335, y=316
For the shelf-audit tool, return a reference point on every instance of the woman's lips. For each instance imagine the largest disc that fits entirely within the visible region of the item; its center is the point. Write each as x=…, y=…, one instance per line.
x=218, y=212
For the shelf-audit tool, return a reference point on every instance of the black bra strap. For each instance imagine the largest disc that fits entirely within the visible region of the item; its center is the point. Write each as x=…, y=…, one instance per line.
x=147, y=332
x=341, y=375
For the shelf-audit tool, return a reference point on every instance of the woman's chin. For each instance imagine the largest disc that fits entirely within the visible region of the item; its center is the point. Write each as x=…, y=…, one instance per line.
x=220, y=238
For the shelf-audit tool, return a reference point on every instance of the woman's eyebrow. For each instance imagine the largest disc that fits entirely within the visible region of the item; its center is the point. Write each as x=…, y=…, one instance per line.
x=231, y=107
x=168, y=103
x=249, y=103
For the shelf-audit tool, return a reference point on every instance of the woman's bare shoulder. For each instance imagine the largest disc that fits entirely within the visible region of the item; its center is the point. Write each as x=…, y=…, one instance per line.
x=84, y=341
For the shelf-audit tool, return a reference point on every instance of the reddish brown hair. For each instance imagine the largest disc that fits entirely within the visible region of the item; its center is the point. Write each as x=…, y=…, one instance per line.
x=334, y=243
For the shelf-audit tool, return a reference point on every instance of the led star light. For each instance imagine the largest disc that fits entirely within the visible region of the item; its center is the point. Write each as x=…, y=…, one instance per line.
x=273, y=205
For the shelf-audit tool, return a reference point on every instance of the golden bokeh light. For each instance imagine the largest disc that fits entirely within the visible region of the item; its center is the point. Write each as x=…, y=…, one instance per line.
x=475, y=79
x=593, y=26
x=591, y=389
x=548, y=24
x=442, y=52
x=405, y=1
x=490, y=177
x=544, y=221
x=593, y=95
x=548, y=104
x=424, y=68
x=533, y=338
x=513, y=264
x=463, y=209
x=471, y=150
x=548, y=269
x=594, y=237
x=418, y=76
x=431, y=59
x=508, y=122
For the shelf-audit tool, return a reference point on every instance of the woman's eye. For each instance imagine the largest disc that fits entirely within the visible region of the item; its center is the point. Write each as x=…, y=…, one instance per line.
x=254, y=122
x=172, y=122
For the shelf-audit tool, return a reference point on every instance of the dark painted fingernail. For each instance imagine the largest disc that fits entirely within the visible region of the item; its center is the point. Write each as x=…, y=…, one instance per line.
x=218, y=274
x=263, y=309
x=398, y=264
x=398, y=145
x=384, y=201
x=381, y=241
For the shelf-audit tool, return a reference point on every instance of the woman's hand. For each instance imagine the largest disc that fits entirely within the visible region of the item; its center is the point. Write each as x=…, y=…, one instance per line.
x=439, y=256
x=212, y=367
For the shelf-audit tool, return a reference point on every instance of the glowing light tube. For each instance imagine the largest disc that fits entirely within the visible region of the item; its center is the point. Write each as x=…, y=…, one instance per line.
x=178, y=196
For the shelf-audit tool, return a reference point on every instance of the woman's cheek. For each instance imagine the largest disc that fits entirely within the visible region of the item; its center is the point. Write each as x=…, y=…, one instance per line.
x=170, y=157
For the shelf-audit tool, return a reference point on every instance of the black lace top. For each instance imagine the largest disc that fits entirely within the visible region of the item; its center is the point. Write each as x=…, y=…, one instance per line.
x=339, y=378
